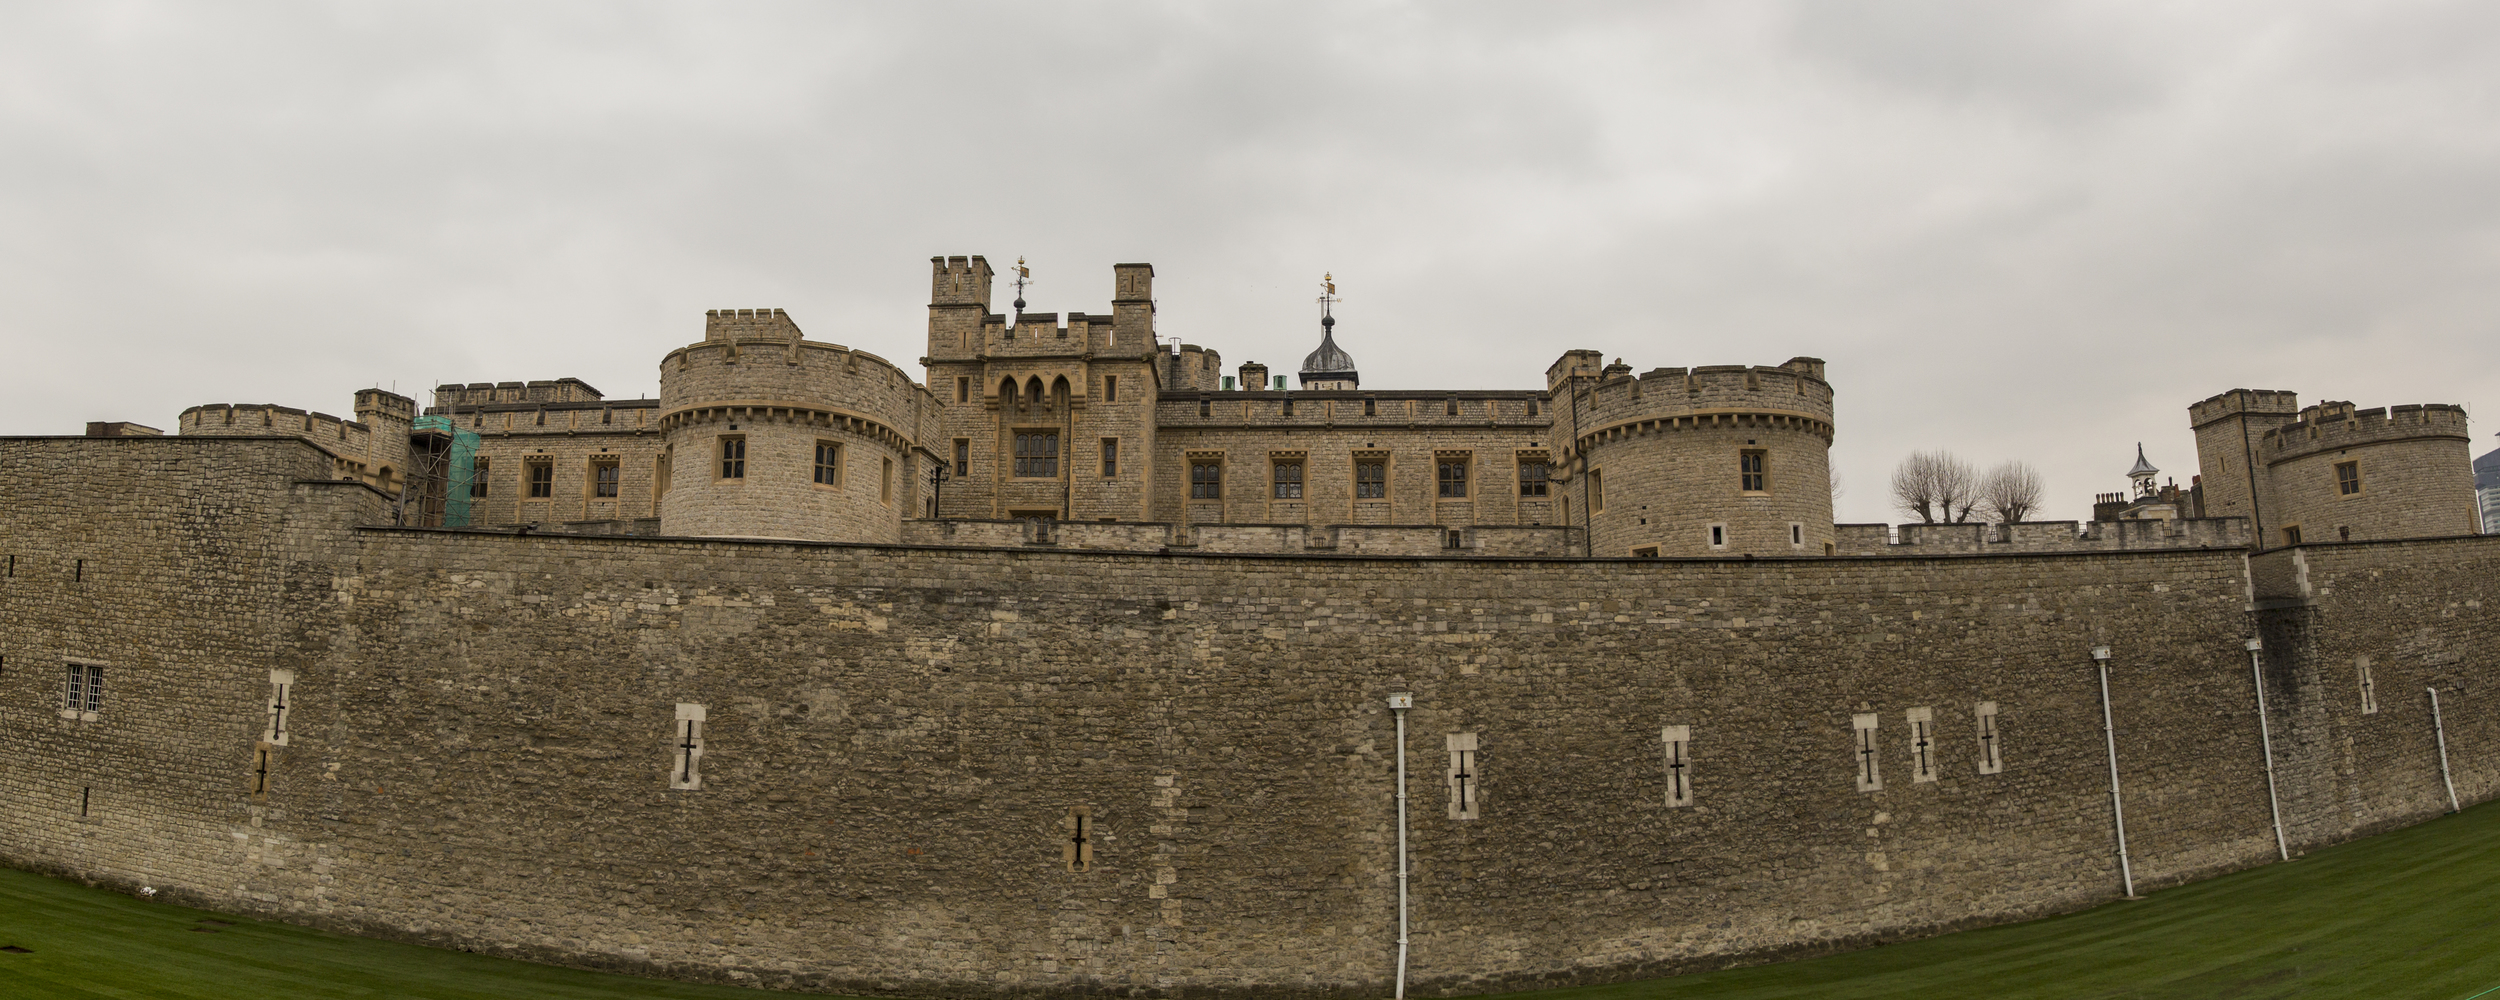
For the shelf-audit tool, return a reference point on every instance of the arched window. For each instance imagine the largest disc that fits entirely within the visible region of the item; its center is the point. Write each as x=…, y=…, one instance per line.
x=1033, y=391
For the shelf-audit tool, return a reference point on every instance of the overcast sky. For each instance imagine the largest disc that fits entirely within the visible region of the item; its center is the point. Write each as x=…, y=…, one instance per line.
x=2014, y=230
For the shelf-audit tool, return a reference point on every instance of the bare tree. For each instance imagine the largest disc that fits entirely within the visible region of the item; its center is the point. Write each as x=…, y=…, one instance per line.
x=1935, y=486
x=2012, y=491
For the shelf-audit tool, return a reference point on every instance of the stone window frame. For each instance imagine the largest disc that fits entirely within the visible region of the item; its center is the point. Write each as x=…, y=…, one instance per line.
x=1379, y=486
x=685, y=750
x=731, y=450
x=1279, y=485
x=1111, y=458
x=1991, y=738
x=1797, y=535
x=963, y=388
x=82, y=688
x=1206, y=407
x=1371, y=406
x=1465, y=778
x=1077, y=850
x=1676, y=749
x=963, y=457
x=538, y=473
x=606, y=479
x=1921, y=723
x=1443, y=463
x=480, y=469
x=1542, y=480
x=885, y=484
x=1029, y=452
x=275, y=711
x=828, y=466
x=1753, y=470
x=2291, y=534
x=2348, y=486
x=1718, y=535
x=1211, y=485
x=2369, y=685
x=1597, y=489
x=1865, y=726
x=1111, y=388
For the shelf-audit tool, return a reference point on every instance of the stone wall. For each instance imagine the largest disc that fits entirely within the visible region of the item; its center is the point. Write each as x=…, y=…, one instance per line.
x=898, y=741
x=2042, y=536
x=1666, y=454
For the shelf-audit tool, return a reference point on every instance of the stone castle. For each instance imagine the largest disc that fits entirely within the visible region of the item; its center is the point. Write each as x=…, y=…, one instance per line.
x=1068, y=666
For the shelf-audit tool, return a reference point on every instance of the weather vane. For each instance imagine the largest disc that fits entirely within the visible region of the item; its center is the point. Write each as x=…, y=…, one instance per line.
x=1328, y=297
x=1024, y=276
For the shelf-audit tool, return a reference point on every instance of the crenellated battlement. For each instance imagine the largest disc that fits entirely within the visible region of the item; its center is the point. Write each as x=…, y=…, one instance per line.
x=749, y=324
x=2267, y=402
x=2335, y=425
x=477, y=394
x=1663, y=398
x=960, y=281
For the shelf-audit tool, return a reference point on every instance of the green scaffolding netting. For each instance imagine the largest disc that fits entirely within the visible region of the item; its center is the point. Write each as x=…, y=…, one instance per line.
x=459, y=468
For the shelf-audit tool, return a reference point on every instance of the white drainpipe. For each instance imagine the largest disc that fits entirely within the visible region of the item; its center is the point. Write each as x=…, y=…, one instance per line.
x=2117, y=809
x=2265, y=732
x=1398, y=704
x=2441, y=729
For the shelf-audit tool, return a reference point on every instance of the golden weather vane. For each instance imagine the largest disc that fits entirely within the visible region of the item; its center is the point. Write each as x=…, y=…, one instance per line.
x=1328, y=293
x=1024, y=276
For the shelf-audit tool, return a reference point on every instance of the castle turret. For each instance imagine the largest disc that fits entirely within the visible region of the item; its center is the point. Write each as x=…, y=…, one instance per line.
x=1718, y=460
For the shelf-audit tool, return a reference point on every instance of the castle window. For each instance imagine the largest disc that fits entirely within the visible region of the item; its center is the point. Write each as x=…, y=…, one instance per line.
x=1532, y=408
x=885, y=484
x=2369, y=687
x=1453, y=476
x=1287, y=410
x=1453, y=407
x=1532, y=477
x=2343, y=533
x=260, y=770
x=685, y=750
x=1597, y=490
x=1991, y=756
x=1206, y=479
x=1205, y=408
x=963, y=457
x=542, y=473
x=1453, y=539
x=1371, y=407
x=1678, y=740
x=1718, y=536
x=2347, y=478
x=1645, y=552
x=828, y=464
x=1922, y=744
x=605, y=476
x=1110, y=457
x=1371, y=477
x=733, y=457
x=477, y=478
x=281, y=684
x=2291, y=535
x=82, y=688
x=1037, y=454
x=1288, y=479
x=1078, y=850
x=1753, y=471
x=1464, y=781
x=1870, y=771
x=963, y=390
x=1111, y=388
x=1796, y=535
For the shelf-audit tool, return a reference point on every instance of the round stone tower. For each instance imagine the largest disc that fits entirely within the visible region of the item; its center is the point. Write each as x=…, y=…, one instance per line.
x=770, y=435
x=1713, y=461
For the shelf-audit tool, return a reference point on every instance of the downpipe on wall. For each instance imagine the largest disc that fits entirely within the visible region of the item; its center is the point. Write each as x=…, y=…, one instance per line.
x=2440, y=729
x=1398, y=704
x=2117, y=808
x=2265, y=734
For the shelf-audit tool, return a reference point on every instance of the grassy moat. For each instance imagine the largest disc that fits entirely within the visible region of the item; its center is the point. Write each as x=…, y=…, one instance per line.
x=2414, y=913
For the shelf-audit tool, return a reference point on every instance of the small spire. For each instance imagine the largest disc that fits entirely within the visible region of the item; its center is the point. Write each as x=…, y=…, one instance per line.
x=1024, y=276
x=1327, y=298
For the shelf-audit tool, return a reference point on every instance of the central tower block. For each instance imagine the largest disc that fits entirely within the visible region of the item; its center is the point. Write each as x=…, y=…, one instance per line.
x=768, y=434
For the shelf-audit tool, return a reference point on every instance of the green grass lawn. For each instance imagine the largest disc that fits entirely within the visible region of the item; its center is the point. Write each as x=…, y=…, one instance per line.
x=2415, y=913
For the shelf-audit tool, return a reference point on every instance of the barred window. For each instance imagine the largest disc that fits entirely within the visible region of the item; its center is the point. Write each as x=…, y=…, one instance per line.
x=477, y=479
x=1453, y=477
x=1037, y=453
x=604, y=478
x=828, y=464
x=733, y=458
x=1371, y=478
x=1752, y=471
x=1289, y=480
x=1206, y=480
x=542, y=480
x=1533, y=477
x=82, y=688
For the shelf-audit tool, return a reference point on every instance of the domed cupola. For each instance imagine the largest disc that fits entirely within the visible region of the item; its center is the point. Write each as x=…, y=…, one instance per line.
x=1329, y=367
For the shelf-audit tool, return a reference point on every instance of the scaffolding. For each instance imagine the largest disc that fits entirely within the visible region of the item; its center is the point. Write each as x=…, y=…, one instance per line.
x=442, y=474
